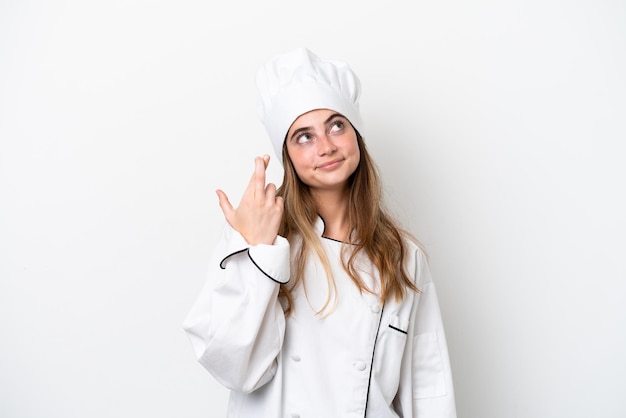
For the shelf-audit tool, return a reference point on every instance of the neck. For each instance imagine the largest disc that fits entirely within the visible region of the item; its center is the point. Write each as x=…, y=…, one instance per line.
x=333, y=208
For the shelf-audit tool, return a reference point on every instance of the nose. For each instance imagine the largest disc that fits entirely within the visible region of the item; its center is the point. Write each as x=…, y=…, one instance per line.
x=325, y=145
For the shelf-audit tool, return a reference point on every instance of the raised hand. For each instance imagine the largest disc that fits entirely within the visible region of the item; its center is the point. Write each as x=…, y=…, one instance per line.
x=257, y=218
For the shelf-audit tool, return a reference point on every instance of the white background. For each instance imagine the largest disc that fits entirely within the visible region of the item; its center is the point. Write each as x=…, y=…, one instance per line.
x=499, y=128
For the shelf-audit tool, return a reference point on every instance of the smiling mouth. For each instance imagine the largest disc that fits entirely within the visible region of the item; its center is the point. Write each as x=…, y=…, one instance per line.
x=330, y=164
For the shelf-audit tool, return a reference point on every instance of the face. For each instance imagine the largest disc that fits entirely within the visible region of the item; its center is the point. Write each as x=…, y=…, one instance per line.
x=323, y=149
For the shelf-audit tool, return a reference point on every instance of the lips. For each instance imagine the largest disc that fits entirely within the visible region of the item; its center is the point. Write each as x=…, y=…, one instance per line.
x=330, y=164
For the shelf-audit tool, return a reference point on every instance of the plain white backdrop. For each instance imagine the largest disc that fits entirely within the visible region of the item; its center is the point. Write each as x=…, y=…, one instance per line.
x=499, y=128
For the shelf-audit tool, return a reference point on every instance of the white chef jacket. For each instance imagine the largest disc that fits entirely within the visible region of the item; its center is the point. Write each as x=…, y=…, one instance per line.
x=365, y=359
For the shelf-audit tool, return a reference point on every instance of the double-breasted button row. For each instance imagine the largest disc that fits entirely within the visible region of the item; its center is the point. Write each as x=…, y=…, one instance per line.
x=359, y=365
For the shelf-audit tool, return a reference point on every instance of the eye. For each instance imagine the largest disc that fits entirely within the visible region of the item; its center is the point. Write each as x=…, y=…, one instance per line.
x=303, y=138
x=337, y=125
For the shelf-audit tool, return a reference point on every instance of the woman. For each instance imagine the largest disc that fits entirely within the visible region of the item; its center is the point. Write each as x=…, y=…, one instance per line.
x=317, y=304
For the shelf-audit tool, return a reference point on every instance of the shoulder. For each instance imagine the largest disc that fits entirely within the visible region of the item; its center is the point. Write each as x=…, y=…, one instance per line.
x=416, y=261
x=414, y=248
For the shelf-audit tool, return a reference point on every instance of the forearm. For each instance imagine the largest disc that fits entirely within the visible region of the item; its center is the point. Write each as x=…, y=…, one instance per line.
x=236, y=326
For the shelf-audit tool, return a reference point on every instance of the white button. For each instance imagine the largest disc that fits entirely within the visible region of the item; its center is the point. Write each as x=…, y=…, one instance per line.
x=295, y=415
x=295, y=357
x=359, y=365
x=375, y=308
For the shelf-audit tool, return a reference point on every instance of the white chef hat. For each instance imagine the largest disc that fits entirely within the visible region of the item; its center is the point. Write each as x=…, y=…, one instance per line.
x=299, y=81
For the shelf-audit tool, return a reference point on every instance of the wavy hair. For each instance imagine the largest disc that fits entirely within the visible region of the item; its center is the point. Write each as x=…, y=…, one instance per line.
x=373, y=231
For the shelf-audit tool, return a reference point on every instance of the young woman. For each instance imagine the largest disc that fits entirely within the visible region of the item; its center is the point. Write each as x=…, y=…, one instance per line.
x=317, y=303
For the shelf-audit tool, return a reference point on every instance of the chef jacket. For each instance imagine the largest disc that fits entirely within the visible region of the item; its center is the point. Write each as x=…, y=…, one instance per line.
x=357, y=358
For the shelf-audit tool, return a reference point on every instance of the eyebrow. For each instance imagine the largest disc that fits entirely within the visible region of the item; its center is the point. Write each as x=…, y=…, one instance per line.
x=306, y=128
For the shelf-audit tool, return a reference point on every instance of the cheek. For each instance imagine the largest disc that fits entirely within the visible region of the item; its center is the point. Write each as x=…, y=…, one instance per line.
x=299, y=157
x=298, y=160
x=356, y=155
x=357, y=151
x=357, y=159
x=353, y=148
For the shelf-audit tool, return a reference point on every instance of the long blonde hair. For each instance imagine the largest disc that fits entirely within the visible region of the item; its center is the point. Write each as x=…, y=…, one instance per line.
x=373, y=231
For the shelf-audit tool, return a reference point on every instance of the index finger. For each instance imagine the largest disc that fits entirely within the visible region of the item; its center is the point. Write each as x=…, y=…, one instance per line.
x=259, y=176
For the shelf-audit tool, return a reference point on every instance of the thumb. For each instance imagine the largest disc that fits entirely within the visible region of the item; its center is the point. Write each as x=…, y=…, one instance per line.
x=280, y=201
x=225, y=205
